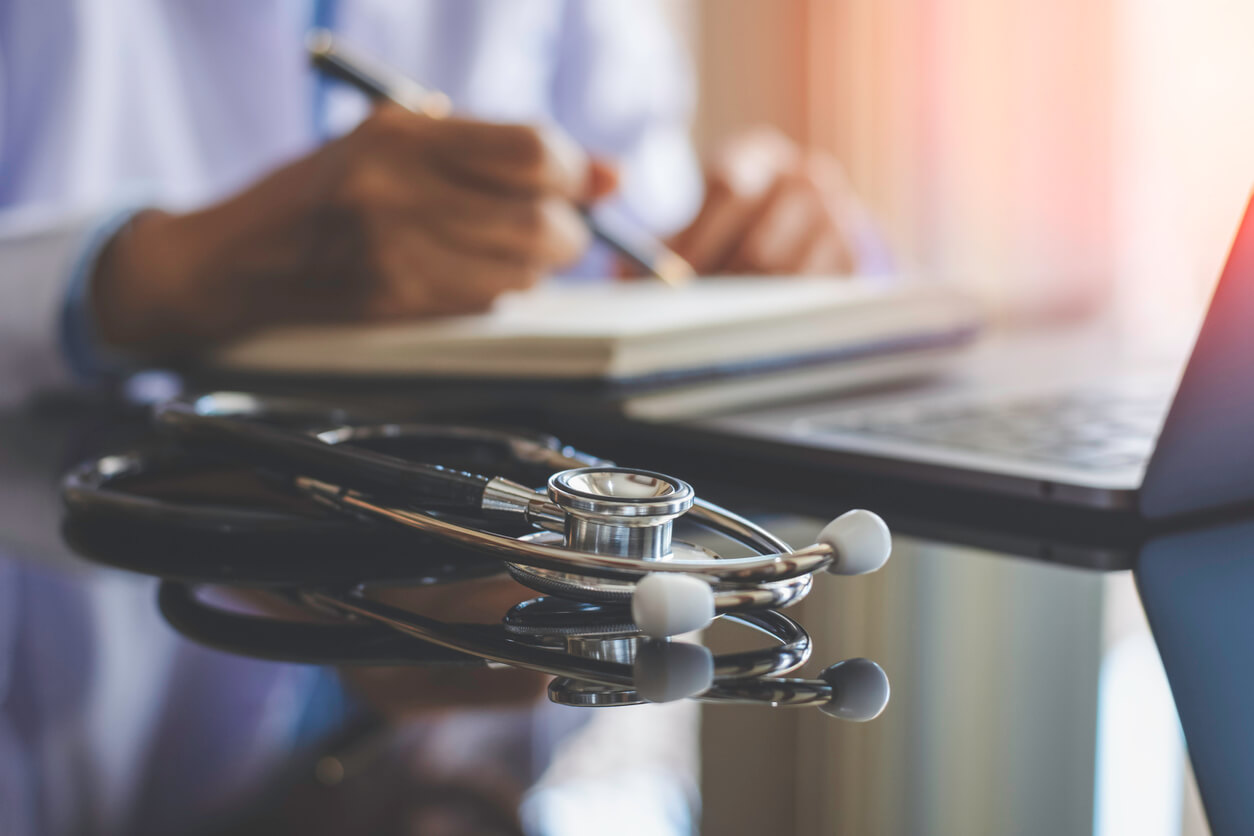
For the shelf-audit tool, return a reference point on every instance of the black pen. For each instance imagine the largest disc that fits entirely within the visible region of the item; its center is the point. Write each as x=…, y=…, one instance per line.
x=381, y=82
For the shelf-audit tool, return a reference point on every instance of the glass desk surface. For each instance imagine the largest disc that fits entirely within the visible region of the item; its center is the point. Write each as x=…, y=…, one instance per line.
x=1027, y=696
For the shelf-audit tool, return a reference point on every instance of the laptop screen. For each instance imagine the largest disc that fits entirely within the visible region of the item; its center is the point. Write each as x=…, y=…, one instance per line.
x=1205, y=455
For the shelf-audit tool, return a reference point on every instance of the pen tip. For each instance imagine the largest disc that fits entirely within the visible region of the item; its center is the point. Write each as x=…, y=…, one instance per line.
x=673, y=269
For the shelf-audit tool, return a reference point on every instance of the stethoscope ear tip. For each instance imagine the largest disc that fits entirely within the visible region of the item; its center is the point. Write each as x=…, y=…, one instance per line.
x=860, y=690
x=669, y=671
x=861, y=541
x=667, y=604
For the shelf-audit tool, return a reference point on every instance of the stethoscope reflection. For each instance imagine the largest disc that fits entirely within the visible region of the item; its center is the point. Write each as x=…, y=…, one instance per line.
x=598, y=656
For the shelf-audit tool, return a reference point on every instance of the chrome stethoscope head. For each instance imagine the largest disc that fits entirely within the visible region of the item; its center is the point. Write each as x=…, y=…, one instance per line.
x=619, y=510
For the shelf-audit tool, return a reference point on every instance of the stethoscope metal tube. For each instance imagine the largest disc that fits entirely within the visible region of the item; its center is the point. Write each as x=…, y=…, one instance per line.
x=356, y=638
x=754, y=569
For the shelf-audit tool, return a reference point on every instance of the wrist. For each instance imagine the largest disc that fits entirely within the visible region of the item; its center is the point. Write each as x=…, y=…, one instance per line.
x=175, y=284
x=132, y=289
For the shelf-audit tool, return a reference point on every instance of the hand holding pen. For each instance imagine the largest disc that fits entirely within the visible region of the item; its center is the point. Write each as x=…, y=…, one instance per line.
x=405, y=216
x=382, y=83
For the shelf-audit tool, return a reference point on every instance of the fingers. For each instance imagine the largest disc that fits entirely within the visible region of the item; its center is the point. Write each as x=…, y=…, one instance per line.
x=782, y=226
x=451, y=213
x=794, y=232
x=399, y=273
x=542, y=230
x=709, y=241
x=420, y=275
x=770, y=209
x=495, y=157
x=602, y=180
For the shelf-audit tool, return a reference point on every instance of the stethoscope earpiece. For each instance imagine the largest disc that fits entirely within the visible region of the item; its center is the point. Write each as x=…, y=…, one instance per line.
x=668, y=605
x=860, y=540
x=860, y=690
x=669, y=671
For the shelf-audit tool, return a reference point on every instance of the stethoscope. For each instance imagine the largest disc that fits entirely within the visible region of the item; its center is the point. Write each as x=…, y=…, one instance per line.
x=353, y=506
x=599, y=534
x=598, y=658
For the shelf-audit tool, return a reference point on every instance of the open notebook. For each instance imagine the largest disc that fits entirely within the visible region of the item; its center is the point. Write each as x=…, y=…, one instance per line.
x=627, y=332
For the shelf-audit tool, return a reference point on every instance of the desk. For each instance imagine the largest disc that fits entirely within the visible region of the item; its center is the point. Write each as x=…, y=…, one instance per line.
x=1028, y=695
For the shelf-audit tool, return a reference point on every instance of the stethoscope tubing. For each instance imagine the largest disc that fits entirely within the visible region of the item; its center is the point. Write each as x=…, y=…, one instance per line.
x=382, y=634
x=434, y=486
x=329, y=467
x=758, y=569
x=252, y=546
x=234, y=426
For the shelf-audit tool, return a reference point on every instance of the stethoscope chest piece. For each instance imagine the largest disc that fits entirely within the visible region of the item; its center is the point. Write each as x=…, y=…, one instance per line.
x=626, y=515
x=620, y=511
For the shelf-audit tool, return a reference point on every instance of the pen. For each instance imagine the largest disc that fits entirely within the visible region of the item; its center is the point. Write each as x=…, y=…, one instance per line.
x=381, y=82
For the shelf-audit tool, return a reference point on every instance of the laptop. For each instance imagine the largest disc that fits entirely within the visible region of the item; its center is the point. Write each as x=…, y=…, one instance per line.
x=1054, y=426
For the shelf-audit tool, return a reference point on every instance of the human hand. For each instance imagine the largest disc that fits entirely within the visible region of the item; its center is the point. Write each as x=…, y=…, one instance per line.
x=406, y=216
x=772, y=208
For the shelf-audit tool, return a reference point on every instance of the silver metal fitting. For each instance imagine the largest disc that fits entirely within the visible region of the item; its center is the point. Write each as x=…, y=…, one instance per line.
x=620, y=511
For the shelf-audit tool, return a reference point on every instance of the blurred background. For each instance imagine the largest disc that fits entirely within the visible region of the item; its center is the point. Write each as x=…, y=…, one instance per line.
x=1060, y=158
x=1055, y=155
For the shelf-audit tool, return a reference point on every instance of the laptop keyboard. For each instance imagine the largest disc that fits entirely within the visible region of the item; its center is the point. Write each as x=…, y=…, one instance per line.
x=1086, y=429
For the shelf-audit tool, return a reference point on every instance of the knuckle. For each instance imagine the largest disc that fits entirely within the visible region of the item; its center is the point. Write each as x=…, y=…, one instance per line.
x=720, y=183
x=359, y=190
x=801, y=195
x=387, y=124
x=388, y=117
